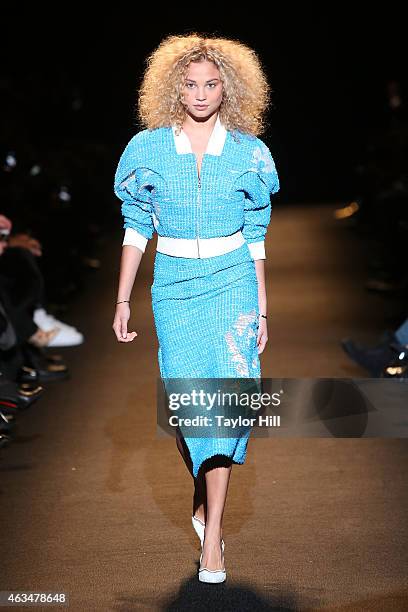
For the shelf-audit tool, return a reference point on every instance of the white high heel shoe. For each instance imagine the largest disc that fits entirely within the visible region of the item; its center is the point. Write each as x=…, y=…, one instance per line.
x=212, y=576
x=199, y=527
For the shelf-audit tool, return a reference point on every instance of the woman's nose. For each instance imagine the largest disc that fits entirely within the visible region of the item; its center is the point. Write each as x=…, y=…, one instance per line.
x=201, y=94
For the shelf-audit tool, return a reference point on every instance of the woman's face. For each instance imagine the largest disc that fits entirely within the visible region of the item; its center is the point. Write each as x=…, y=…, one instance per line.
x=202, y=93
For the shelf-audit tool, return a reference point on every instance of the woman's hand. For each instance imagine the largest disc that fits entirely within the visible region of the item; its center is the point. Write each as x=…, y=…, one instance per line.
x=262, y=338
x=120, y=323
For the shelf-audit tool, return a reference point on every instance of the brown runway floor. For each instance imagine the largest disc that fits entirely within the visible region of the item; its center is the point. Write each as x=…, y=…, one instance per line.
x=93, y=504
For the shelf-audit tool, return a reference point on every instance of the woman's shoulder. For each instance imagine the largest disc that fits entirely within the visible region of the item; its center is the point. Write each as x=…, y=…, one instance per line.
x=250, y=149
x=145, y=148
x=248, y=143
x=255, y=161
x=147, y=137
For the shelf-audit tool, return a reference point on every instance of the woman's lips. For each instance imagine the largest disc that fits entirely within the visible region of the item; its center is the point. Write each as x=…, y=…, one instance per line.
x=200, y=106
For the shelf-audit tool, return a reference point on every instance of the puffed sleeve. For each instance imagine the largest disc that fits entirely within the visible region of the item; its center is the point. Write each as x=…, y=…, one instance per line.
x=133, y=185
x=260, y=183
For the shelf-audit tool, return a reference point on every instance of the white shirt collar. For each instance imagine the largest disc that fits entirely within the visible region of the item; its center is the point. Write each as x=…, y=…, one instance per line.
x=215, y=144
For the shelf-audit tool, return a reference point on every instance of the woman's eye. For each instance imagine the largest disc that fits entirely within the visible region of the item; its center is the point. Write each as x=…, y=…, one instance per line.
x=191, y=85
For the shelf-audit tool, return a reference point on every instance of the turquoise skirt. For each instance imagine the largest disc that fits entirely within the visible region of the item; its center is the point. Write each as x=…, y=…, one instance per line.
x=206, y=317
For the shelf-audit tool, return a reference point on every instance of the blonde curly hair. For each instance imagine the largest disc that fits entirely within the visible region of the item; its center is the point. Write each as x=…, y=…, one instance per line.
x=246, y=91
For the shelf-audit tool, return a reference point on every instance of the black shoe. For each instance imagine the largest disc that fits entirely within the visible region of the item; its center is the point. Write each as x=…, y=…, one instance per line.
x=7, y=422
x=28, y=393
x=398, y=368
x=48, y=367
x=374, y=360
x=27, y=375
x=8, y=396
x=14, y=396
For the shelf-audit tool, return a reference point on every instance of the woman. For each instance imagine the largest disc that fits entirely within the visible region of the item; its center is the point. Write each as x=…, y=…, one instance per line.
x=201, y=178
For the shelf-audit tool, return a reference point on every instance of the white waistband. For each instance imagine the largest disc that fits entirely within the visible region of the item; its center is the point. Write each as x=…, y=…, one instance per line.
x=199, y=247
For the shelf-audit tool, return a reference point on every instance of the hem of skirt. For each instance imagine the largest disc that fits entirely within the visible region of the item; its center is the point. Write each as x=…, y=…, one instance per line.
x=236, y=461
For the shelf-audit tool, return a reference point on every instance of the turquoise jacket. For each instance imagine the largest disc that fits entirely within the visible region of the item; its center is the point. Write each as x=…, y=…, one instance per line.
x=158, y=182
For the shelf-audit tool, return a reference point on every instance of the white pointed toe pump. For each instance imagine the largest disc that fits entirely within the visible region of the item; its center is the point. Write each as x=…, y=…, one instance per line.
x=199, y=527
x=212, y=576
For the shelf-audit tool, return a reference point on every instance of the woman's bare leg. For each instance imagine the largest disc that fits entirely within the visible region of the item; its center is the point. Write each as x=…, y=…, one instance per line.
x=184, y=453
x=217, y=480
x=199, y=497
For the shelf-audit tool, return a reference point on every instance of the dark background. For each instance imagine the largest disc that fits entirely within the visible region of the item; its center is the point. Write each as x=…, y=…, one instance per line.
x=76, y=75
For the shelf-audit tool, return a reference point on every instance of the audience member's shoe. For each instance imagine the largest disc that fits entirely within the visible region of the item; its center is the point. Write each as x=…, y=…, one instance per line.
x=398, y=368
x=374, y=360
x=67, y=334
x=8, y=396
x=17, y=396
x=49, y=368
x=28, y=393
x=27, y=375
x=7, y=422
x=42, y=338
x=9, y=405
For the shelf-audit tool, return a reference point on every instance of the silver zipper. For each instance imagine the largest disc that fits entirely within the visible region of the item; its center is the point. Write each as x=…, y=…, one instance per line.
x=198, y=207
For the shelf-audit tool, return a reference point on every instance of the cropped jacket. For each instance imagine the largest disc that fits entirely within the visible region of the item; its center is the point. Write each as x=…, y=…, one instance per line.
x=161, y=191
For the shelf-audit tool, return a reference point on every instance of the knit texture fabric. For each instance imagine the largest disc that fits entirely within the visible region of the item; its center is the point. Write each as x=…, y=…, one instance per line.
x=160, y=191
x=205, y=309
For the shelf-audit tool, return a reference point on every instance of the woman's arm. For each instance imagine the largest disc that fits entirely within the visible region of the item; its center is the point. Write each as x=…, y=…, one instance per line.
x=262, y=301
x=129, y=265
x=258, y=185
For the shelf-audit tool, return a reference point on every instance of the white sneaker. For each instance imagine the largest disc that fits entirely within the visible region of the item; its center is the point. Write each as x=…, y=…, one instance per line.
x=67, y=335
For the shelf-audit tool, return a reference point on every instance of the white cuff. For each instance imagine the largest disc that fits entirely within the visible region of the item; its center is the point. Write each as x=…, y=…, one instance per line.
x=257, y=249
x=134, y=238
